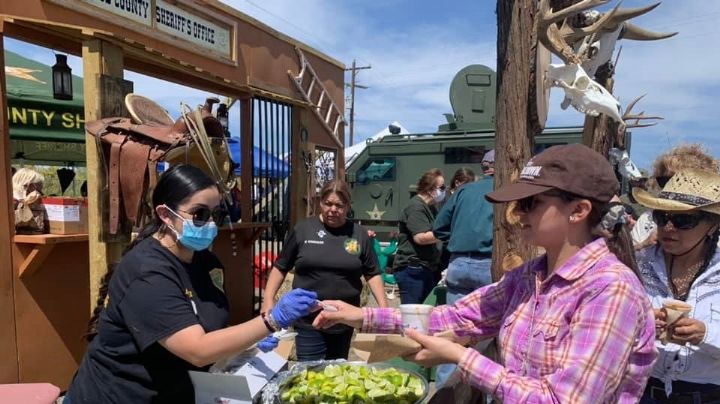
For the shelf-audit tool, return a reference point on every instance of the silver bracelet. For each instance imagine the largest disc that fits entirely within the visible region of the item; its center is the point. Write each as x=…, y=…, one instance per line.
x=272, y=321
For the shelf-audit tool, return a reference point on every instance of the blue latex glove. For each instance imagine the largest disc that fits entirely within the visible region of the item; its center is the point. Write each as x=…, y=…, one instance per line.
x=293, y=305
x=268, y=343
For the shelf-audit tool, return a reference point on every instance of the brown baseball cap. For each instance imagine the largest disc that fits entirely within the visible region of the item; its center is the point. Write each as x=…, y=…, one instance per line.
x=572, y=168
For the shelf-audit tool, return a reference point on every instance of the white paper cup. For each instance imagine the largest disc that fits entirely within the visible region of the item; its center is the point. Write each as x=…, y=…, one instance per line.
x=416, y=316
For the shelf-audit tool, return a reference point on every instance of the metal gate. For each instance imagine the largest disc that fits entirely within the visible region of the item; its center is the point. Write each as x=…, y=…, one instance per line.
x=270, y=187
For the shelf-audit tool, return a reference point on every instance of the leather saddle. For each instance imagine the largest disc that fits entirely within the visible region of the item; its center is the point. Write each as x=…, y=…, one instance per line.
x=132, y=149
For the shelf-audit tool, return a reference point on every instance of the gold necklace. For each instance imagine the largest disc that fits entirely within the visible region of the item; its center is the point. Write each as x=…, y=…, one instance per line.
x=681, y=284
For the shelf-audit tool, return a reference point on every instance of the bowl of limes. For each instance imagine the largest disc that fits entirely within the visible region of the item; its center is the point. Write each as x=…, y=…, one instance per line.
x=354, y=383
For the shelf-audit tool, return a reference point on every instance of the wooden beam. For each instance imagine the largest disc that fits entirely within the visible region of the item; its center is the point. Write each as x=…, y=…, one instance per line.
x=99, y=59
x=35, y=259
x=9, y=371
x=513, y=138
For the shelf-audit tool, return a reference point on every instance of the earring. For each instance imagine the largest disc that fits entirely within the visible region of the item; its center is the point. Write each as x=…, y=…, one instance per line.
x=572, y=219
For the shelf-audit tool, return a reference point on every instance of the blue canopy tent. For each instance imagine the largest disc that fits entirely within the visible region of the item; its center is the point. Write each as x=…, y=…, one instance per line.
x=264, y=163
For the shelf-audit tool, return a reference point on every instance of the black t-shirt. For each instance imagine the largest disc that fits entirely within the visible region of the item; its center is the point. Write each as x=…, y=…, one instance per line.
x=329, y=261
x=417, y=217
x=152, y=295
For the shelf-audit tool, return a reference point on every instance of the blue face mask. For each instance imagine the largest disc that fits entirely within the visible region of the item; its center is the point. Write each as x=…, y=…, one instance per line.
x=196, y=238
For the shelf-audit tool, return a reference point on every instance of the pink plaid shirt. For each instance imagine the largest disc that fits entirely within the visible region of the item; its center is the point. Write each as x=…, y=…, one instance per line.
x=586, y=334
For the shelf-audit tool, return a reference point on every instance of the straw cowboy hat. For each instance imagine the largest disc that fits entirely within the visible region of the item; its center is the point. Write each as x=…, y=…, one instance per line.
x=686, y=190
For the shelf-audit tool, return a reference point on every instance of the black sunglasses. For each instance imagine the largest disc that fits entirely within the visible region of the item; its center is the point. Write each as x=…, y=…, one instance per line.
x=441, y=187
x=528, y=204
x=662, y=181
x=201, y=215
x=681, y=221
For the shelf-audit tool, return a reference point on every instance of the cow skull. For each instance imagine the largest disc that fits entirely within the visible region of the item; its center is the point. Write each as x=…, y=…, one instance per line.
x=620, y=159
x=582, y=92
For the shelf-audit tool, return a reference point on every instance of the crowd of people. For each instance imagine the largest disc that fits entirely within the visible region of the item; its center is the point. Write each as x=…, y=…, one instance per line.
x=588, y=321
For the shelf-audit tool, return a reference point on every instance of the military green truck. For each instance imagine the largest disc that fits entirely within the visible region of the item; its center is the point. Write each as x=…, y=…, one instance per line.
x=383, y=176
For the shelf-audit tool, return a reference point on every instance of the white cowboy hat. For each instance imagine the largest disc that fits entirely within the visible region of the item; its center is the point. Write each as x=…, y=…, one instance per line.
x=686, y=190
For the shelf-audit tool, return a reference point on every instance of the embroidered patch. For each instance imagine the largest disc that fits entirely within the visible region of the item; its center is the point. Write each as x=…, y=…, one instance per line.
x=352, y=246
x=218, y=278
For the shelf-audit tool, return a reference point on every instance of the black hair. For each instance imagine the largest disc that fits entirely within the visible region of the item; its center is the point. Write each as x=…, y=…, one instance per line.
x=618, y=238
x=176, y=185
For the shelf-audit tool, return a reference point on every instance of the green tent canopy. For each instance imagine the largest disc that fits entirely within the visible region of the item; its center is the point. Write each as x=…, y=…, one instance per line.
x=42, y=129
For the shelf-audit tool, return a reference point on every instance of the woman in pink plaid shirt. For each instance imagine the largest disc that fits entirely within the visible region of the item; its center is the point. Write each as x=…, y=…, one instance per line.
x=573, y=325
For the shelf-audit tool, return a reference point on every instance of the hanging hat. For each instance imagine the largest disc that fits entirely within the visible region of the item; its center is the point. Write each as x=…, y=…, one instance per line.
x=686, y=190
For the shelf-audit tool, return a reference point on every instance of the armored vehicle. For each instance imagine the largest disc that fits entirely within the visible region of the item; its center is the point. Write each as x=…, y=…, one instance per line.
x=383, y=176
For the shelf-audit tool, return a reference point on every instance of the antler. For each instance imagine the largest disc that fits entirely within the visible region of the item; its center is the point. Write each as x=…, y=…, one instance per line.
x=614, y=20
x=629, y=116
x=549, y=33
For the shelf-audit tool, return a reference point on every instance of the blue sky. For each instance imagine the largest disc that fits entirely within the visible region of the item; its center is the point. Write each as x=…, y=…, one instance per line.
x=416, y=47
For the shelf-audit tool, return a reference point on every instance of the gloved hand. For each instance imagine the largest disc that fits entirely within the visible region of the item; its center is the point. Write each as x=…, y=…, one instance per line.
x=293, y=305
x=268, y=343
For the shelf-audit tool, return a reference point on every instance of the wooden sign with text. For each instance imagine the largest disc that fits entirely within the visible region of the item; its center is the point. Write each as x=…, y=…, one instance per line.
x=178, y=21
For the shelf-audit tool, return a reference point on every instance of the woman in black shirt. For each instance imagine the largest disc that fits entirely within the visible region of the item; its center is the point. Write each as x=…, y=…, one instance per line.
x=330, y=255
x=164, y=311
x=418, y=254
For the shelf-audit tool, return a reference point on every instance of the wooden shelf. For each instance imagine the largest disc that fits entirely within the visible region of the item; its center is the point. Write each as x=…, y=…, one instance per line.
x=49, y=238
x=42, y=245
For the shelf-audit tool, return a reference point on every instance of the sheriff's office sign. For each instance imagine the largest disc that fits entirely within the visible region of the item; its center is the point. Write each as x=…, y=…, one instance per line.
x=177, y=19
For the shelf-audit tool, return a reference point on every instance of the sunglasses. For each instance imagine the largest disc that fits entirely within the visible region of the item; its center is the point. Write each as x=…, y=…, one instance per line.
x=662, y=181
x=681, y=221
x=201, y=215
x=441, y=187
x=528, y=204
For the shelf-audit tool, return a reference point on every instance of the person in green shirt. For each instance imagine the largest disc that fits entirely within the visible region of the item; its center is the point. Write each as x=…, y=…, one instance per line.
x=418, y=254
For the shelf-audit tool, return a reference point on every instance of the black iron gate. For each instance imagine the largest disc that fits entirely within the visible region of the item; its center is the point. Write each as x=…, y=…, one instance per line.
x=270, y=187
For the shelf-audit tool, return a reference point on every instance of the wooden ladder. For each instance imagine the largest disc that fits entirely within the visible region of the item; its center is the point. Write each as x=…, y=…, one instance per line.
x=334, y=115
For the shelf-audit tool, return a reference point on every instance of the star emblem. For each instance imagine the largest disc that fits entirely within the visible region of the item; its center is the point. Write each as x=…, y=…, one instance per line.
x=375, y=214
x=22, y=73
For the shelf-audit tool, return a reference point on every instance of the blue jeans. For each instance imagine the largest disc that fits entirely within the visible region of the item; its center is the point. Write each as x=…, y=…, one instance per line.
x=415, y=284
x=312, y=345
x=464, y=275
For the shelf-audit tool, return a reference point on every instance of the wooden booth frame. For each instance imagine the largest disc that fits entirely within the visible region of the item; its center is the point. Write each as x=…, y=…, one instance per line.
x=48, y=283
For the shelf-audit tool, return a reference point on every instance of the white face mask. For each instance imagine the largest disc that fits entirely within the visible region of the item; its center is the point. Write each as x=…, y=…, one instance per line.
x=439, y=195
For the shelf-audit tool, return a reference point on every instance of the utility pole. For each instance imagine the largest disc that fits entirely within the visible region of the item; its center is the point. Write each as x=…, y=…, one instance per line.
x=353, y=83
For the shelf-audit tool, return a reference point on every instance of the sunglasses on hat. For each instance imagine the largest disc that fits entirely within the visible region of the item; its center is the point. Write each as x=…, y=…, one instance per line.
x=202, y=214
x=681, y=221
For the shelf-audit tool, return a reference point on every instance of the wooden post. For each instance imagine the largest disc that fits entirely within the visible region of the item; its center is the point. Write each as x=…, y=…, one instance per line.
x=300, y=176
x=246, y=162
x=99, y=59
x=9, y=371
x=599, y=132
x=513, y=137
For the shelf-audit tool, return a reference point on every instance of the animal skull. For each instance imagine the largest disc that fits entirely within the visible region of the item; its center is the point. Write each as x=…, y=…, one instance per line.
x=625, y=166
x=582, y=92
x=599, y=51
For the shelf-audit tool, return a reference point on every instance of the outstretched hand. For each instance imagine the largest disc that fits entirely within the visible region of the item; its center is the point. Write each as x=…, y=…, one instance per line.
x=436, y=350
x=345, y=314
x=294, y=305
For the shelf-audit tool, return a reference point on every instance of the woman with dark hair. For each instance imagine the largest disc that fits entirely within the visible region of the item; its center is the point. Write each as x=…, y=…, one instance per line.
x=162, y=311
x=462, y=176
x=330, y=255
x=417, y=258
x=685, y=266
x=573, y=325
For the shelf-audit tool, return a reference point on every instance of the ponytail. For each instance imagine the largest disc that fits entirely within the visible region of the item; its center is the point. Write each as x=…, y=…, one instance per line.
x=150, y=229
x=608, y=220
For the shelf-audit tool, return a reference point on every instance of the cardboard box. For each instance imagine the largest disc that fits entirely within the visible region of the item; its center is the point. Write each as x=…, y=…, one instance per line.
x=66, y=215
x=243, y=386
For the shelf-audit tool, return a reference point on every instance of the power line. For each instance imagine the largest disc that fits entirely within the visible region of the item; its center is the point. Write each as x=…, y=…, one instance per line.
x=353, y=84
